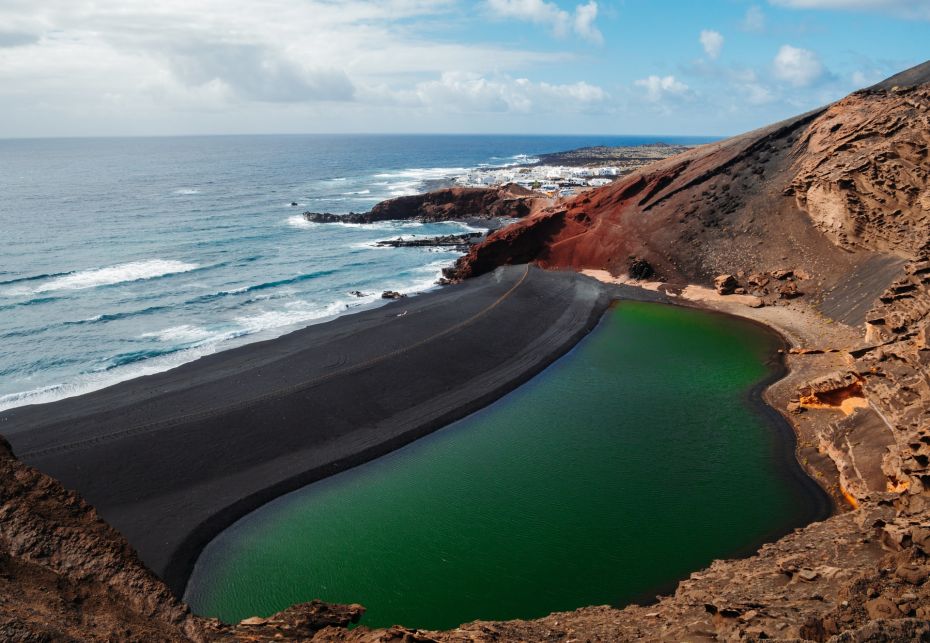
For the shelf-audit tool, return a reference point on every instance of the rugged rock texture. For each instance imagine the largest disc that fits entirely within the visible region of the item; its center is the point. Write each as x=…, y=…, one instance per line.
x=65, y=575
x=449, y=204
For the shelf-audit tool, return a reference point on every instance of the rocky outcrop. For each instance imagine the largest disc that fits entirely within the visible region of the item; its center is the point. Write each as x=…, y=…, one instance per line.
x=448, y=204
x=863, y=177
x=459, y=242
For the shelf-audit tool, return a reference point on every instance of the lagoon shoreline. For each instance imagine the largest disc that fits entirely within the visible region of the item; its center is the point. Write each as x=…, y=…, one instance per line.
x=170, y=529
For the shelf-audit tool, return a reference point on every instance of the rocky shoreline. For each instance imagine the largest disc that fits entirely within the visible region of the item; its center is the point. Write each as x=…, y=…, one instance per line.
x=482, y=206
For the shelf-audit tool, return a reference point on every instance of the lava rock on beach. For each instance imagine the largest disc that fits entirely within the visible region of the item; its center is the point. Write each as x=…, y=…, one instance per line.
x=460, y=242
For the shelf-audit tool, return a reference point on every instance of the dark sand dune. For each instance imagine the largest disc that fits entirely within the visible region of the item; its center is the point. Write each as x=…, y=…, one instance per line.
x=172, y=459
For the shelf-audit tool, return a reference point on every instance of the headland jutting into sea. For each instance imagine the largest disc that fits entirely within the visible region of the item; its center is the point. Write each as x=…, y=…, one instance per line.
x=815, y=226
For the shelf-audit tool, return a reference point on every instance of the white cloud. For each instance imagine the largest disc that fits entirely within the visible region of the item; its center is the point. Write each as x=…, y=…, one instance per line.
x=798, y=67
x=754, y=20
x=541, y=12
x=755, y=92
x=902, y=8
x=661, y=87
x=470, y=92
x=136, y=66
x=585, y=15
x=712, y=42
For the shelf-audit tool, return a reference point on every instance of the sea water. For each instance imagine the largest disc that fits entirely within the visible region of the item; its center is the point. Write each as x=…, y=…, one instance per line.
x=128, y=256
x=633, y=461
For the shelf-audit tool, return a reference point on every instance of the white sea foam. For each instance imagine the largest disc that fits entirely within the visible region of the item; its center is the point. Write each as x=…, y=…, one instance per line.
x=358, y=193
x=298, y=221
x=89, y=382
x=187, y=191
x=422, y=173
x=124, y=272
x=183, y=334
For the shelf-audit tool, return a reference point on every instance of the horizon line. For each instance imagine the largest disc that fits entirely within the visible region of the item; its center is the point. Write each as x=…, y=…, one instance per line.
x=384, y=134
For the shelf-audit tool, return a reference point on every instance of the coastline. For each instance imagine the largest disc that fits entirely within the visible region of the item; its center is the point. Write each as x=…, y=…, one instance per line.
x=181, y=482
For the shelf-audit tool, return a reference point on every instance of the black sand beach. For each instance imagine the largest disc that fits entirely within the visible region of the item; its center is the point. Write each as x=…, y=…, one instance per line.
x=172, y=459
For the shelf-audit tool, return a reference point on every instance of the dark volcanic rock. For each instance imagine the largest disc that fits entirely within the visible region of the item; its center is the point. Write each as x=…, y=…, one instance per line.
x=640, y=269
x=459, y=242
x=448, y=204
x=725, y=284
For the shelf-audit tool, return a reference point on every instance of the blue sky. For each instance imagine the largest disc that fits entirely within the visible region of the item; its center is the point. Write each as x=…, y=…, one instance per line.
x=715, y=67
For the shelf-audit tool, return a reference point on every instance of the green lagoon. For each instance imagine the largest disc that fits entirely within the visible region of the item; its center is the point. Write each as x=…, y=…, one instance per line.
x=634, y=460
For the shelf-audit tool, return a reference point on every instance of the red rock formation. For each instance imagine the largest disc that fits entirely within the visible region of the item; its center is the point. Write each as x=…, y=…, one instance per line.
x=824, y=189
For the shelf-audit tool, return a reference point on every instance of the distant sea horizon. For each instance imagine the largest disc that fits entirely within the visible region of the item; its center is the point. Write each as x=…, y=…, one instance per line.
x=126, y=256
x=680, y=138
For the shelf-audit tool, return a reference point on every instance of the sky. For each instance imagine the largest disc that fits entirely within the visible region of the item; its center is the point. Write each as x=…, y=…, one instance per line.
x=696, y=67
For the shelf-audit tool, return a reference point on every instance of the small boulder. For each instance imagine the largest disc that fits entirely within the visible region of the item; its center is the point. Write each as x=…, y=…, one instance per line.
x=640, y=269
x=808, y=575
x=392, y=294
x=253, y=621
x=913, y=574
x=725, y=284
x=781, y=275
x=882, y=607
x=788, y=290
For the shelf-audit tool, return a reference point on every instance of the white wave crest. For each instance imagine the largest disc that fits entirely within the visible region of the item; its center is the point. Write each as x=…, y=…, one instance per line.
x=124, y=272
x=299, y=221
x=183, y=334
x=90, y=382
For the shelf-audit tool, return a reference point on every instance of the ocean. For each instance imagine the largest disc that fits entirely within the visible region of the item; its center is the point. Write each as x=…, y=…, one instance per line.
x=129, y=256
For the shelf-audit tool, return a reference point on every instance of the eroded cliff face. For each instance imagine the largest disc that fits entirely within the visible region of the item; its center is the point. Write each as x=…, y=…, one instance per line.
x=863, y=175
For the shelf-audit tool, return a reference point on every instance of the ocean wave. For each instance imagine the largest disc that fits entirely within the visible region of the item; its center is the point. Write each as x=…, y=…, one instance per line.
x=291, y=280
x=30, y=302
x=298, y=221
x=298, y=312
x=423, y=173
x=94, y=381
x=187, y=191
x=124, y=359
x=262, y=286
x=120, y=273
x=358, y=193
x=108, y=317
x=32, y=278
